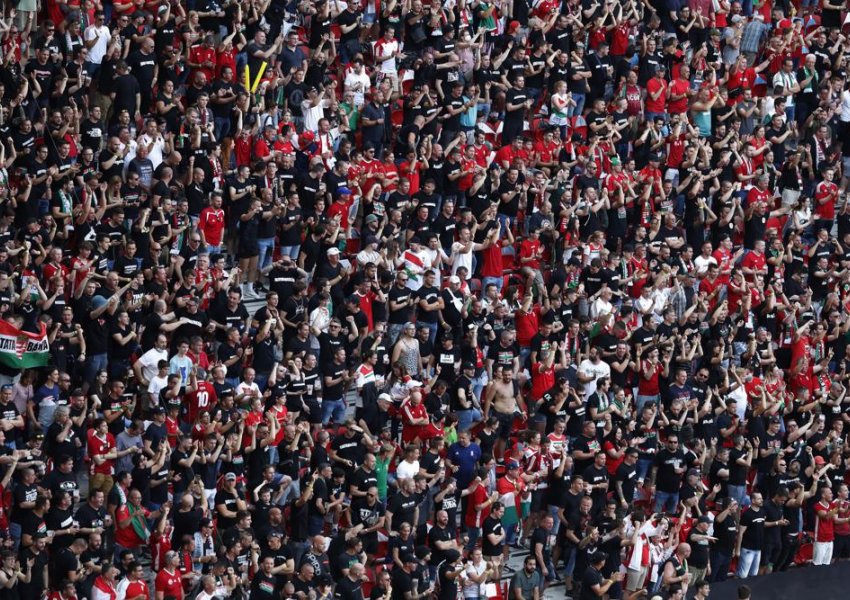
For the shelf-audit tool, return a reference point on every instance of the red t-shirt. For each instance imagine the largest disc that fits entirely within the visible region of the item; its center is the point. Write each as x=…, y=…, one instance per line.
x=527, y=325
x=97, y=446
x=492, y=259
x=409, y=412
x=678, y=87
x=754, y=261
x=169, y=584
x=212, y=224
x=474, y=518
x=824, y=528
x=658, y=105
x=204, y=398
x=200, y=54
x=649, y=387
x=542, y=380
x=527, y=249
x=127, y=536
x=825, y=192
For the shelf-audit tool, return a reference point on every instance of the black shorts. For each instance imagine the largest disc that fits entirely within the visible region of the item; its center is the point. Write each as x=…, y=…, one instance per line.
x=370, y=544
x=841, y=547
x=315, y=410
x=248, y=250
x=537, y=497
x=506, y=424
x=770, y=554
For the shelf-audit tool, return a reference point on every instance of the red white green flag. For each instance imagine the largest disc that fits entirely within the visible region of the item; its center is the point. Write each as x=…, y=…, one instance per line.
x=21, y=349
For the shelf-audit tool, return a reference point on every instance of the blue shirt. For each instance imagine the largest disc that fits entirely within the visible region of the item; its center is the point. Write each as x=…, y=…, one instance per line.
x=465, y=460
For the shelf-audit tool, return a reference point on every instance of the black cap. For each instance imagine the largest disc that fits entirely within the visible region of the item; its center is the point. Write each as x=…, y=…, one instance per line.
x=422, y=551
x=408, y=557
x=452, y=556
x=468, y=365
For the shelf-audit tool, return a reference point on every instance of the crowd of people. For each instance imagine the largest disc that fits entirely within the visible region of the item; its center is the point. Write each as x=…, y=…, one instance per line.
x=567, y=281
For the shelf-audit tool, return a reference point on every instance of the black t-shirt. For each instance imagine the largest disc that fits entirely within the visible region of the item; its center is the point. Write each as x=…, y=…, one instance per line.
x=402, y=582
x=737, y=472
x=346, y=589
x=591, y=578
x=400, y=315
x=448, y=587
x=228, y=499
x=753, y=519
x=402, y=508
x=667, y=480
x=89, y=518
x=491, y=526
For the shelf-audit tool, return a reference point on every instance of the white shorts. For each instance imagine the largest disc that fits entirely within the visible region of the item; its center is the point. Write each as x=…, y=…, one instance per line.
x=822, y=553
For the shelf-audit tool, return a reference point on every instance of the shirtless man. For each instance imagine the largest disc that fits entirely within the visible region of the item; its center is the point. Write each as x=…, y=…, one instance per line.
x=502, y=395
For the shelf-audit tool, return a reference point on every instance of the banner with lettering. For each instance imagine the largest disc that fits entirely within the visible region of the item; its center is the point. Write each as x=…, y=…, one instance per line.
x=21, y=349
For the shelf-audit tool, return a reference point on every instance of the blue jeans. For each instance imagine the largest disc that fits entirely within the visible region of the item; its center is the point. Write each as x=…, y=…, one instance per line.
x=497, y=281
x=432, y=330
x=569, y=558
x=221, y=127
x=579, y=106
x=748, y=563
x=393, y=331
x=511, y=533
x=266, y=246
x=643, y=467
x=474, y=533
x=739, y=494
x=719, y=565
x=95, y=363
x=290, y=251
x=465, y=418
x=651, y=116
x=666, y=502
x=333, y=409
x=643, y=401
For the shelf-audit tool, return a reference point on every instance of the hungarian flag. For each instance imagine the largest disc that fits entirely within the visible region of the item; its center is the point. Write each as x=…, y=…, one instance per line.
x=21, y=349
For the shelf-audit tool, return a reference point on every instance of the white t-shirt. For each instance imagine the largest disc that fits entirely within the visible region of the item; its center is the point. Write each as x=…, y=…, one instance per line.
x=406, y=470
x=461, y=259
x=587, y=368
x=156, y=151
x=351, y=81
x=98, y=51
x=149, y=361
x=156, y=385
x=313, y=114
x=387, y=48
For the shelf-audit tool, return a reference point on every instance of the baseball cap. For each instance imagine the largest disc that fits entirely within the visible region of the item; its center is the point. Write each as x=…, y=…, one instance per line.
x=468, y=365
x=230, y=477
x=422, y=551
x=333, y=251
x=408, y=557
x=454, y=279
x=819, y=460
x=512, y=464
x=343, y=191
x=371, y=218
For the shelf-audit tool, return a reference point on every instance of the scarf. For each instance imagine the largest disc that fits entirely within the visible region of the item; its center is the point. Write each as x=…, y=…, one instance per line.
x=105, y=589
x=139, y=522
